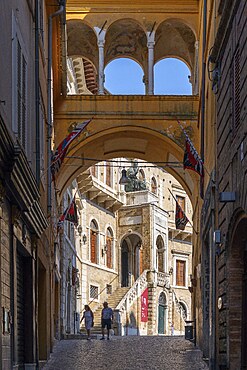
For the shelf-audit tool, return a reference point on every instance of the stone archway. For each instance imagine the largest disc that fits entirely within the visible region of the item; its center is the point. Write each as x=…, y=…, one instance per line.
x=131, y=259
x=123, y=132
x=237, y=291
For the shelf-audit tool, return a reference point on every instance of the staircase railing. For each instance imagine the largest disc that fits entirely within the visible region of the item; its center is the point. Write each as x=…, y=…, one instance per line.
x=134, y=292
x=101, y=292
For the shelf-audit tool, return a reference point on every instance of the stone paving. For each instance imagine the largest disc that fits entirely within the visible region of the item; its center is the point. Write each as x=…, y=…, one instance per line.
x=126, y=353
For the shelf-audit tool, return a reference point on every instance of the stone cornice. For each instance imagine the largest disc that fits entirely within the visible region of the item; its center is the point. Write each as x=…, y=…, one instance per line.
x=228, y=11
x=20, y=182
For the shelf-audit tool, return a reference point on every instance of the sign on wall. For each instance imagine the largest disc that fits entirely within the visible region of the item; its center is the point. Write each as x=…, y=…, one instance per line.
x=144, y=306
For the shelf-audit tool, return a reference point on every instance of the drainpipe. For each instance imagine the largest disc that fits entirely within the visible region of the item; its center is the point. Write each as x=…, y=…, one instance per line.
x=37, y=116
x=203, y=77
x=36, y=304
x=60, y=11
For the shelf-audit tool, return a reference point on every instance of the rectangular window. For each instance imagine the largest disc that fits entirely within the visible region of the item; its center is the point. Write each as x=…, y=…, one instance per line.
x=94, y=292
x=108, y=289
x=180, y=272
x=181, y=202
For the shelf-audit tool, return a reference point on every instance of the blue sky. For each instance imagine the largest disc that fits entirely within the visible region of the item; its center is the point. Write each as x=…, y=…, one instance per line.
x=124, y=76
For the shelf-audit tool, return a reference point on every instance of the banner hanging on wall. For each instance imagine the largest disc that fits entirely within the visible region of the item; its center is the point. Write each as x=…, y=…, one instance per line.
x=144, y=306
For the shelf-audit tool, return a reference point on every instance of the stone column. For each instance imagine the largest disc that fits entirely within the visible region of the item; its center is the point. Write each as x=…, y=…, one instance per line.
x=150, y=45
x=195, y=88
x=101, y=75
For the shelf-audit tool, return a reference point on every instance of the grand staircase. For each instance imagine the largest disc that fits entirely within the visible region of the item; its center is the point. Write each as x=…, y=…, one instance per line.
x=113, y=300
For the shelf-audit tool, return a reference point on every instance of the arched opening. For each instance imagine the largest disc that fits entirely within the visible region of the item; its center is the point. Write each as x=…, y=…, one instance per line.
x=124, y=264
x=237, y=267
x=172, y=77
x=160, y=248
x=142, y=176
x=153, y=185
x=93, y=241
x=184, y=310
x=124, y=76
x=131, y=259
x=162, y=307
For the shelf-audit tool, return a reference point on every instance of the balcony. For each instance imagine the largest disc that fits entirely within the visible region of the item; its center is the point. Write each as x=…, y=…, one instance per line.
x=98, y=192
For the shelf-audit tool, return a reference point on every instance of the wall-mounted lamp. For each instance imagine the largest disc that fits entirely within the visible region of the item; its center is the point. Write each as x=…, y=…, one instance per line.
x=84, y=238
x=104, y=250
x=214, y=73
x=217, y=241
x=79, y=229
x=171, y=271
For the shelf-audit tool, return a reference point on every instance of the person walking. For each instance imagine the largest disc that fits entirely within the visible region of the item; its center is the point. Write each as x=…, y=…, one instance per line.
x=106, y=320
x=88, y=316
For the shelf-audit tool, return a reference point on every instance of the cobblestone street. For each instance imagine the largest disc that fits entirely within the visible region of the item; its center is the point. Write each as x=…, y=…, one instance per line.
x=126, y=353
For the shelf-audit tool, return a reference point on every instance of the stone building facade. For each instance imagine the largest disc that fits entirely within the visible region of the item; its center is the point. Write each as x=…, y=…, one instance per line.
x=29, y=283
x=224, y=210
x=126, y=244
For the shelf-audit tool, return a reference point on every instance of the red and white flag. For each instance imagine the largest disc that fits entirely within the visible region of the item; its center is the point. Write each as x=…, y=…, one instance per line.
x=70, y=214
x=192, y=160
x=60, y=153
x=180, y=218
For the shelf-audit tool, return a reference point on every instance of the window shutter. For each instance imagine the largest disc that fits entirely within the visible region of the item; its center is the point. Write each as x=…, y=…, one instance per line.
x=180, y=273
x=109, y=252
x=24, y=73
x=21, y=95
x=93, y=246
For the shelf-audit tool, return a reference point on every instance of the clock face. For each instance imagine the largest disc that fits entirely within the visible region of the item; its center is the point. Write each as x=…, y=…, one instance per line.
x=220, y=303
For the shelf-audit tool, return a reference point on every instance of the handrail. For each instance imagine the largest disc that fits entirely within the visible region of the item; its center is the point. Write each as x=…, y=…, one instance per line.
x=101, y=292
x=131, y=290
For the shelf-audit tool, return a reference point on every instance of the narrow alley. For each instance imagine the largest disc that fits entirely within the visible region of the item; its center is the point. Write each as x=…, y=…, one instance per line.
x=126, y=353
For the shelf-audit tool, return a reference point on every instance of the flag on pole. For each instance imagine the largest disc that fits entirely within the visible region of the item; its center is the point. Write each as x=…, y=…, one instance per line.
x=180, y=218
x=192, y=160
x=70, y=214
x=60, y=153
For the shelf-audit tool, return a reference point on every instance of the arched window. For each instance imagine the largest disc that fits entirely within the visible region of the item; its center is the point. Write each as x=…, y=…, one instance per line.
x=108, y=174
x=109, y=247
x=93, y=241
x=171, y=77
x=160, y=254
x=183, y=310
x=142, y=175
x=162, y=299
x=153, y=185
x=124, y=70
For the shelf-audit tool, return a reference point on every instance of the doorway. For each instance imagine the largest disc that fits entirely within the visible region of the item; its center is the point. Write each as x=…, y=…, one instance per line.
x=237, y=267
x=162, y=314
x=125, y=264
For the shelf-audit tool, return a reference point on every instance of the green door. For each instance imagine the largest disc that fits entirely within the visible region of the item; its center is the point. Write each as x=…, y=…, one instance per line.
x=161, y=320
